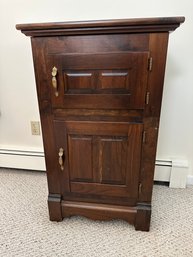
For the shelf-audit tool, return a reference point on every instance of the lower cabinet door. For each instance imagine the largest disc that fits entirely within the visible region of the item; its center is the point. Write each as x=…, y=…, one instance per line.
x=99, y=158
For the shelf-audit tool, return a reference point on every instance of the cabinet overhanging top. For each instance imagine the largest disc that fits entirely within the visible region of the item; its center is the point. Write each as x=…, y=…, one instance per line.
x=137, y=25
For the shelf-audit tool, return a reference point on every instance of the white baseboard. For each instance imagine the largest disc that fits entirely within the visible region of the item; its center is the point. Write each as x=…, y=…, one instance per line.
x=162, y=170
x=189, y=180
x=22, y=159
x=179, y=173
x=174, y=171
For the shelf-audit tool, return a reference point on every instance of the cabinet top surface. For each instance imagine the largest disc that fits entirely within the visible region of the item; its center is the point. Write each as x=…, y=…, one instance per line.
x=158, y=24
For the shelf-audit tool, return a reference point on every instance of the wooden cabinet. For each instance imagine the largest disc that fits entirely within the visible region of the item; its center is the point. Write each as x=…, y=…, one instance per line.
x=99, y=86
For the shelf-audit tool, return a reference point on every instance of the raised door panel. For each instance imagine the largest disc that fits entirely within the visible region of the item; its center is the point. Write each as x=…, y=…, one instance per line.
x=80, y=147
x=113, y=80
x=78, y=81
x=103, y=158
x=98, y=80
x=113, y=160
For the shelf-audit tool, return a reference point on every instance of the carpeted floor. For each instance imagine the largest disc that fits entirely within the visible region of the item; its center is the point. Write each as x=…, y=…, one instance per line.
x=26, y=231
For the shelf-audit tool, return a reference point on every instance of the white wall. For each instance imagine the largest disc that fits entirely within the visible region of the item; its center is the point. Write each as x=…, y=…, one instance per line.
x=18, y=102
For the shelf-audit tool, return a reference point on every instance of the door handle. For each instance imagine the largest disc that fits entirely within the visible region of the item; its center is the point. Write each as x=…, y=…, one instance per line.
x=54, y=80
x=61, y=158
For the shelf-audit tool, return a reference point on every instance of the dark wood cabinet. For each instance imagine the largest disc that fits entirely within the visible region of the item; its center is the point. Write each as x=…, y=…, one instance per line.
x=99, y=86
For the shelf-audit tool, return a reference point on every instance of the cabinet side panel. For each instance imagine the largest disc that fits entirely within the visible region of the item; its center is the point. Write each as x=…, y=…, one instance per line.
x=158, y=50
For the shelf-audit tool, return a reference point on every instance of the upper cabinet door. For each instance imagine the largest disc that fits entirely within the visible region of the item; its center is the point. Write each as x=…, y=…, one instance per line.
x=101, y=80
x=100, y=158
x=99, y=71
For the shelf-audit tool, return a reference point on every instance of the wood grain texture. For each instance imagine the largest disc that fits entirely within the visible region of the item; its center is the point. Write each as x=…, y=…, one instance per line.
x=54, y=205
x=158, y=48
x=46, y=116
x=99, y=198
x=102, y=27
x=97, y=43
x=143, y=216
x=132, y=116
x=80, y=155
x=88, y=80
x=98, y=211
x=103, y=159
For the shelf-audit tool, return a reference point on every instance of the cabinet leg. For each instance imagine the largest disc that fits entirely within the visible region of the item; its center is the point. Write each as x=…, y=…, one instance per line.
x=143, y=217
x=54, y=206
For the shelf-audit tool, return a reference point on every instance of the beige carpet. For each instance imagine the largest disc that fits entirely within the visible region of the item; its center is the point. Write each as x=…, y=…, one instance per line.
x=26, y=231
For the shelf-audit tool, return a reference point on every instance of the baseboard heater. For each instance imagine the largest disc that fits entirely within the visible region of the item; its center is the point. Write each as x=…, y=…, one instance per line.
x=174, y=171
x=22, y=159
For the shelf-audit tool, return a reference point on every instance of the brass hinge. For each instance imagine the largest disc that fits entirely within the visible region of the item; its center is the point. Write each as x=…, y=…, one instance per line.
x=144, y=136
x=140, y=188
x=150, y=63
x=147, y=97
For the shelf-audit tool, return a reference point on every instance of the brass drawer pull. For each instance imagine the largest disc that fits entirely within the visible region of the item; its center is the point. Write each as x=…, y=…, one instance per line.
x=61, y=158
x=54, y=80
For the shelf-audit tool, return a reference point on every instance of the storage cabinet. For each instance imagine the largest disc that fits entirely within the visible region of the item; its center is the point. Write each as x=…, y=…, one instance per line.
x=99, y=86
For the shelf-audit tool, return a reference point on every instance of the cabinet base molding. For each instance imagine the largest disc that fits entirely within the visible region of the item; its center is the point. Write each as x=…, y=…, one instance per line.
x=143, y=217
x=54, y=206
x=139, y=215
